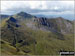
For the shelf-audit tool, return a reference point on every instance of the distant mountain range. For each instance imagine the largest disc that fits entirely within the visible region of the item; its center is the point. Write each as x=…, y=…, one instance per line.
x=68, y=17
x=46, y=16
x=24, y=29
x=4, y=16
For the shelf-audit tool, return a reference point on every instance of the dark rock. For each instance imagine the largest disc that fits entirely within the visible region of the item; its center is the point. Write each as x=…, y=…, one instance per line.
x=26, y=51
x=1, y=42
x=12, y=19
x=20, y=41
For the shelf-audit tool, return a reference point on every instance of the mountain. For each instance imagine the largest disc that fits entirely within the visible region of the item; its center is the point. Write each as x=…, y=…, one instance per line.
x=4, y=16
x=30, y=35
x=46, y=16
x=40, y=16
x=23, y=15
x=58, y=24
x=13, y=31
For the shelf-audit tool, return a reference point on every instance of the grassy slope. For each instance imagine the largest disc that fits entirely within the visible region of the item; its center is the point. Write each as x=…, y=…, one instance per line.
x=47, y=43
x=3, y=22
x=6, y=48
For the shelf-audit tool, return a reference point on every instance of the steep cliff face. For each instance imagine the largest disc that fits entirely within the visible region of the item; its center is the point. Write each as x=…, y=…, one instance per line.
x=59, y=24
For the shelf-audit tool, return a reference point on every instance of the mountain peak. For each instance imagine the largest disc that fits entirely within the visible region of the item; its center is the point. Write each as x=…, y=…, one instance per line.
x=60, y=18
x=22, y=13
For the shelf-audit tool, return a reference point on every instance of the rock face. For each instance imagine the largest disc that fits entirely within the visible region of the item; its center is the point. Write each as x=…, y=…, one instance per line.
x=12, y=22
x=59, y=24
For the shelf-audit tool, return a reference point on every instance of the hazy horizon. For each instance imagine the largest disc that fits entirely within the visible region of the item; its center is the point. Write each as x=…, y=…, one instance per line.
x=63, y=9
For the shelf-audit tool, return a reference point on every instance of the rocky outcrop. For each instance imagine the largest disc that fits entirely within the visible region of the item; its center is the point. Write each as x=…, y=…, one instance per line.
x=59, y=25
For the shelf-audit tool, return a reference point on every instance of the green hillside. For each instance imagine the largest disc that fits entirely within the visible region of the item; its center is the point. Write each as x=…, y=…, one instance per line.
x=47, y=43
x=26, y=38
x=6, y=48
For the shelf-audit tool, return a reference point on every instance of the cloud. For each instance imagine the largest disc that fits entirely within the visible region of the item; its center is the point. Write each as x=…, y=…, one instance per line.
x=38, y=7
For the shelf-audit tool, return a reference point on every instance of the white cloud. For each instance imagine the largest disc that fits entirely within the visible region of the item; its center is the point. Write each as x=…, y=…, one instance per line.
x=11, y=7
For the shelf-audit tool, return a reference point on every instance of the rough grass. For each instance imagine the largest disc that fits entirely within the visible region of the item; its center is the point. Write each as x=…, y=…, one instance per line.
x=47, y=43
x=6, y=48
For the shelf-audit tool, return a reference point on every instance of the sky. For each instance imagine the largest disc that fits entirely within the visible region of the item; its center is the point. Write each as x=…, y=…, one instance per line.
x=48, y=8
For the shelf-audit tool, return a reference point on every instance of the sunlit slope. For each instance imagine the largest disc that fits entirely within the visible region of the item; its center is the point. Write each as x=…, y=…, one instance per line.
x=6, y=48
